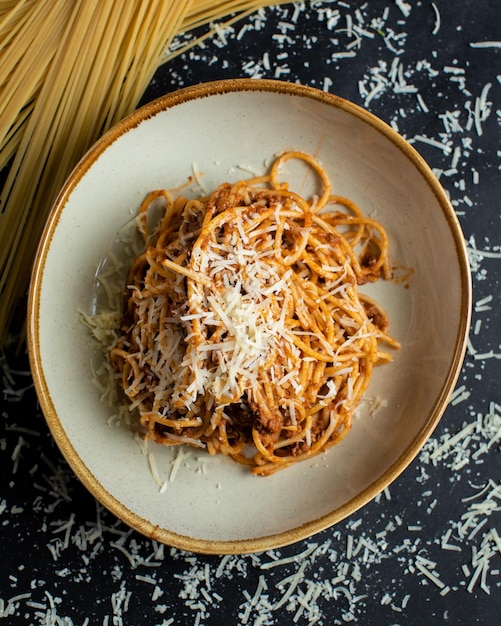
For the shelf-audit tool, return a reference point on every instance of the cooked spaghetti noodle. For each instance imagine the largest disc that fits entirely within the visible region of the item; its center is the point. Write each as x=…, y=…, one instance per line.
x=244, y=329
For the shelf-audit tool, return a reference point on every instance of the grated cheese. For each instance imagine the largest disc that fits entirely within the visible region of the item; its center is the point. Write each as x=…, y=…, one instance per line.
x=405, y=7
x=485, y=44
x=436, y=26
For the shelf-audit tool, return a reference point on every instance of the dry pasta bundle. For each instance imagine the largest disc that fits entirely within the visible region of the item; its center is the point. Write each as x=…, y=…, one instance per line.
x=244, y=331
x=69, y=71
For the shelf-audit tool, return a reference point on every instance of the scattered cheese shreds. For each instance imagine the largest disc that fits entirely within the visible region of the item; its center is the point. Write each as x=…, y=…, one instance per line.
x=342, y=567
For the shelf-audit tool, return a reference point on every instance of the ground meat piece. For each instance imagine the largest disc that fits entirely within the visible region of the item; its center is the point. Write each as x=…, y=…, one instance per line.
x=368, y=260
x=301, y=447
x=269, y=427
x=192, y=220
x=241, y=415
x=377, y=317
x=224, y=198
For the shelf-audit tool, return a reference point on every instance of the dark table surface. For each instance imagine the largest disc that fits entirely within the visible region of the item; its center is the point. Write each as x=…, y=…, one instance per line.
x=428, y=549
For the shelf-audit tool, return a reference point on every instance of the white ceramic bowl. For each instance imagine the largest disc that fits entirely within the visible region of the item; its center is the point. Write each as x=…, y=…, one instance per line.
x=214, y=505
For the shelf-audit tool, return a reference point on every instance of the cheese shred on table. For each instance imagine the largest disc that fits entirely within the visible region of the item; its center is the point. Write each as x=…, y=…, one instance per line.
x=244, y=331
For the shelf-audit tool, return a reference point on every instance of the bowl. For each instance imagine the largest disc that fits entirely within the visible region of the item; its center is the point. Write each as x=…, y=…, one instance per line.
x=184, y=497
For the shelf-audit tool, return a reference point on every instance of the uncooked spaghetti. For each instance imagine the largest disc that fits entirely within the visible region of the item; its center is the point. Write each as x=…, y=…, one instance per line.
x=244, y=329
x=68, y=72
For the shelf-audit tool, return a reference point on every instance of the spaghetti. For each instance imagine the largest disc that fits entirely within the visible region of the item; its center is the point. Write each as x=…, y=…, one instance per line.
x=244, y=331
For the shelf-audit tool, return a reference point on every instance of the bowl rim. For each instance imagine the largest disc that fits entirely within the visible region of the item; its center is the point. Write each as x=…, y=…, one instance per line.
x=258, y=544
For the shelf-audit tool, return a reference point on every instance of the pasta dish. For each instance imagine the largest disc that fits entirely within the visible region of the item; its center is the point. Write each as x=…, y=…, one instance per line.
x=244, y=331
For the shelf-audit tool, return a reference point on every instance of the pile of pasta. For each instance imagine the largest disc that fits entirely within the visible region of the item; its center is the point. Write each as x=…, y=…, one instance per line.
x=69, y=71
x=244, y=330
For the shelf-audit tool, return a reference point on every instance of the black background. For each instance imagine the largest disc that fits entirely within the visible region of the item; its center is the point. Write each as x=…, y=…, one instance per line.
x=65, y=560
